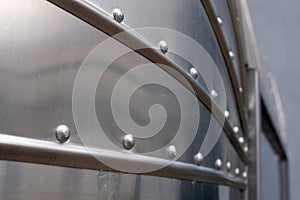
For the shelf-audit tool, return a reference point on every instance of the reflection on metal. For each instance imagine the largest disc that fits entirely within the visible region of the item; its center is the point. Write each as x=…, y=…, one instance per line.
x=172, y=152
x=194, y=73
x=226, y=114
x=213, y=94
x=218, y=164
x=63, y=133
x=98, y=18
x=231, y=54
x=128, y=142
x=228, y=166
x=163, y=46
x=237, y=171
x=198, y=159
x=224, y=47
x=37, y=151
x=220, y=21
x=235, y=129
x=244, y=175
x=241, y=140
x=118, y=15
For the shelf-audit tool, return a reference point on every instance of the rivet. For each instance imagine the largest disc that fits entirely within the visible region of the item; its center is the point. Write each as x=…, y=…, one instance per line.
x=198, y=159
x=128, y=142
x=241, y=140
x=172, y=152
x=62, y=133
x=245, y=175
x=228, y=166
x=220, y=21
x=235, y=129
x=118, y=15
x=231, y=54
x=241, y=90
x=213, y=94
x=226, y=114
x=194, y=73
x=237, y=171
x=218, y=164
x=246, y=149
x=163, y=46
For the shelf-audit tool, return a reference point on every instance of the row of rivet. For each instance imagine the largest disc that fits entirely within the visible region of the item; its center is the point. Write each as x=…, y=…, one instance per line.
x=163, y=46
x=63, y=135
x=230, y=53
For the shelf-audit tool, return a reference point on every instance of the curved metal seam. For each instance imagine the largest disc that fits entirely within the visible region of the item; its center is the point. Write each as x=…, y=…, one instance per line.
x=96, y=17
x=15, y=148
x=224, y=49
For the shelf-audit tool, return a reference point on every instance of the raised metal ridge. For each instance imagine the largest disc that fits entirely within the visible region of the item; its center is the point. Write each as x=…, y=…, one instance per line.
x=98, y=18
x=212, y=15
x=15, y=148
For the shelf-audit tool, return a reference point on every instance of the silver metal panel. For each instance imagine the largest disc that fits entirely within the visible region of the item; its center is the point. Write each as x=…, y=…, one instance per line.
x=139, y=14
x=33, y=182
x=212, y=11
x=38, y=72
x=222, y=11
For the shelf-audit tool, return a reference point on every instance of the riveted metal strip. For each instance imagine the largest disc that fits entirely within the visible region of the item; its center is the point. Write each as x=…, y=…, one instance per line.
x=224, y=47
x=21, y=149
x=98, y=18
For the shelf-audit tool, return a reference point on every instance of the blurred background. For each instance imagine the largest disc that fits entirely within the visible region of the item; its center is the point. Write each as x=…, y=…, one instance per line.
x=277, y=28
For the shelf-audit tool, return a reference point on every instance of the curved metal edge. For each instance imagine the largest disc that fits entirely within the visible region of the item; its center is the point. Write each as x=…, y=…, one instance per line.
x=21, y=149
x=97, y=18
x=221, y=39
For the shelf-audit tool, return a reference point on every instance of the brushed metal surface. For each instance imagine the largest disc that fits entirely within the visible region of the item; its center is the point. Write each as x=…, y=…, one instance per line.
x=42, y=47
x=31, y=181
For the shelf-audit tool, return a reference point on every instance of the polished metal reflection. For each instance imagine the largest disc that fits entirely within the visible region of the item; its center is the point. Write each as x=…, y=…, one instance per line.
x=226, y=114
x=194, y=73
x=118, y=15
x=220, y=21
x=237, y=171
x=63, y=133
x=213, y=94
x=231, y=54
x=241, y=140
x=236, y=129
x=163, y=46
x=228, y=166
x=128, y=142
x=172, y=152
x=198, y=159
x=218, y=164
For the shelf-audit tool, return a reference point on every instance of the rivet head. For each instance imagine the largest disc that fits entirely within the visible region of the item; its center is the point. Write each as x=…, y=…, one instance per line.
x=128, y=142
x=163, y=46
x=118, y=15
x=172, y=152
x=246, y=149
x=220, y=21
x=62, y=133
x=213, y=94
x=228, y=166
x=235, y=129
x=237, y=171
x=241, y=90
x=231, y=54
x=218, y=164
x=245, y=175
x=194, y=73
x=198, y=159
x=241, y=140
x=226, y=114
